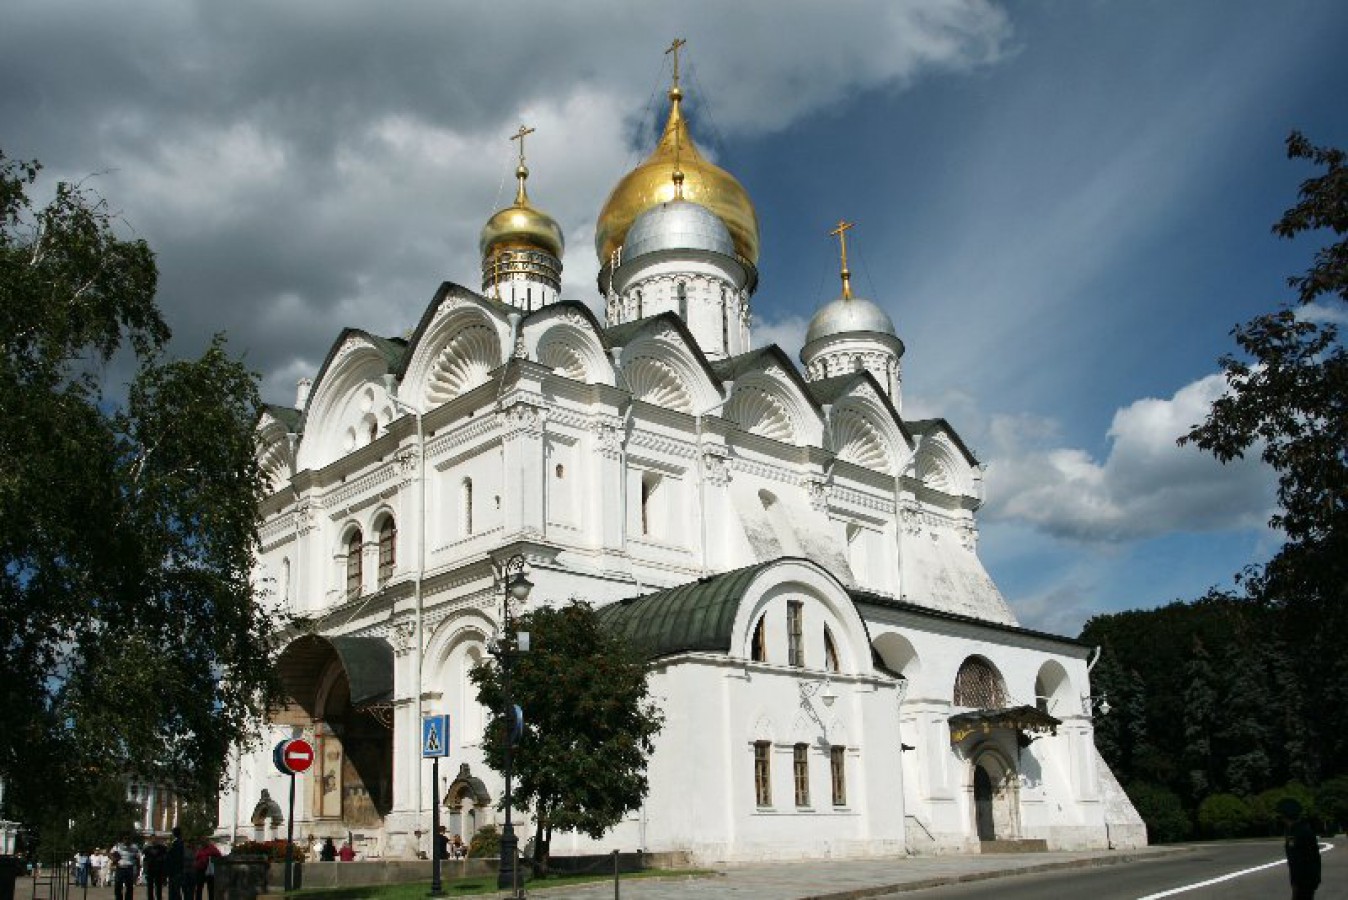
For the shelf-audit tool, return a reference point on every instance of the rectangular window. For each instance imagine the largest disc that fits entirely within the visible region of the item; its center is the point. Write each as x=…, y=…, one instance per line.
x=388, y=536
x=795, y=648
x=837, y=765
x=762, y=773
x=801, y=767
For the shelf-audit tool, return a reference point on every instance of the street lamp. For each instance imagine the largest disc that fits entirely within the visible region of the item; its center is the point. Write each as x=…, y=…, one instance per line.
x=517, y=588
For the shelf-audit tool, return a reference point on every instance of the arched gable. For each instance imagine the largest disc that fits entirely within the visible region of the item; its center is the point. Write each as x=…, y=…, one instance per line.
x=565, y=337
x=865, y=430
x=276, y=447
x=770, y=398
x=796, y=578
x=942, y=464
x=461, y=340
x=348, y=406
x=661, y=365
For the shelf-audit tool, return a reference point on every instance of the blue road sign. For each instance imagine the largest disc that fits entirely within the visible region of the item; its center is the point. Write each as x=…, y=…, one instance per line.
x=434, y=736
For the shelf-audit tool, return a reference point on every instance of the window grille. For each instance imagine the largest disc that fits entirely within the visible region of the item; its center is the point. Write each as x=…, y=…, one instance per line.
x=978, y=685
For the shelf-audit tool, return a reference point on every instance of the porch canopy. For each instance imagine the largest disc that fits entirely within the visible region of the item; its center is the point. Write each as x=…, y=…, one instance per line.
x=1014, y=718
x=367, y=662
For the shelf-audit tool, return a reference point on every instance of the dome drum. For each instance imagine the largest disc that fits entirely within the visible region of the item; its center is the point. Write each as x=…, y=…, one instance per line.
x=521, y=264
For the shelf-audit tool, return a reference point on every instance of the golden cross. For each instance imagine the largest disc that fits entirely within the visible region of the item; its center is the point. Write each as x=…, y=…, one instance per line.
x=841, y=232
x=519, y=136
x=674, y=49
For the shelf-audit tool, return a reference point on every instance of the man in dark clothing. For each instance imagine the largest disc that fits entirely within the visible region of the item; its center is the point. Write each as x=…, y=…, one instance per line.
x=175, y=860
x=1303, y=851
x=154, y=858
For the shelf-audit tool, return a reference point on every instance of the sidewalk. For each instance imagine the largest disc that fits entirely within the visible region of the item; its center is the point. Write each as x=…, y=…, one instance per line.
x=849, y=879
x=846, y=879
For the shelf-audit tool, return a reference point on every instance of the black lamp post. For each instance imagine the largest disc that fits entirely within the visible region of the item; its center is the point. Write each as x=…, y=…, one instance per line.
x=517, y=589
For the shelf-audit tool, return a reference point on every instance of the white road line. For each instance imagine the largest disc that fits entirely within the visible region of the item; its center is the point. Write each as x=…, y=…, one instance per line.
x=1324, y=847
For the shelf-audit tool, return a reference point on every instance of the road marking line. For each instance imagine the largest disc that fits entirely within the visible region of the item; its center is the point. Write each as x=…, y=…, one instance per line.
x=1324, y=847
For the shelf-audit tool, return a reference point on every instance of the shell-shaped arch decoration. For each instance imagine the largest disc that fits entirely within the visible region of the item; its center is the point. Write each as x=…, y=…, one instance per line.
x=656, y=382
x=759, y=412
x=465, y=362
x=276, y=464
x=858, y=441
x=934, y=472
x=564, y=359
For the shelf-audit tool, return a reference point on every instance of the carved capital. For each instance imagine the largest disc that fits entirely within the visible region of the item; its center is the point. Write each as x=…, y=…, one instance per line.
x=910, y=517
x=403, y=638
x=521, y=420
x=608, y=437
x=716, y=465
x=818, y=490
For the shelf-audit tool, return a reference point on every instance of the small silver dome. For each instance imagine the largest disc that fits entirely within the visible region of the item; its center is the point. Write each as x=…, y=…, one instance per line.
x=677, y=225
x=849, y=314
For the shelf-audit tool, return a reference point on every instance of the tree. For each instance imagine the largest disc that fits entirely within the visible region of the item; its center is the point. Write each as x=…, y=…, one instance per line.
x=589, y=726
x=1287, y=399
x=1200, y=701
x=133, y=640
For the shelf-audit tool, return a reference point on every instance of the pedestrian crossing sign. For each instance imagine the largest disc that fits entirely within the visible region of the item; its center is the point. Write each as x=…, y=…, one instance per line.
x=434, y=736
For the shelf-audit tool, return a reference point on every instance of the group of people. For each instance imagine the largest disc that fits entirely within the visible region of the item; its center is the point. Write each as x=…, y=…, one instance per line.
x=450, y=846
x=188, y=873
x=329, y=852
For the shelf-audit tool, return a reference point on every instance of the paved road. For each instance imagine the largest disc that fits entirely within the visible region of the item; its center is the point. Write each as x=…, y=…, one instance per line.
x=1181, y=876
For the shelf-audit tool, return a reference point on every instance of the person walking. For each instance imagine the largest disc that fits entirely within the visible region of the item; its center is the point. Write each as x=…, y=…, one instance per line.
x=82, y=868
x=154, y=860
x=328, y=853
x=126, y=866
x=175, y=865
x=203, y=866
x=1303, y=851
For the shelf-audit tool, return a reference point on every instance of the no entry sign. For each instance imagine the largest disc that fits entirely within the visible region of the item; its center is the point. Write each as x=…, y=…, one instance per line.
x=293, y=756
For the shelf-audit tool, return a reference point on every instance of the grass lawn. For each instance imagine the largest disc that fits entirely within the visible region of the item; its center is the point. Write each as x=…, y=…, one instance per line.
x=472, y=884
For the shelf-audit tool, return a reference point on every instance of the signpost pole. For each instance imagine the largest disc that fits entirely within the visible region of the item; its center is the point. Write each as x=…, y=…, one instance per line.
x=290, y=837
x=436, y=890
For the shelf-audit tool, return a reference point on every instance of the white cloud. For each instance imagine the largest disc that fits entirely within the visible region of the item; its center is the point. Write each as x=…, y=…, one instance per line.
x=1146, y=486
x=787, y=333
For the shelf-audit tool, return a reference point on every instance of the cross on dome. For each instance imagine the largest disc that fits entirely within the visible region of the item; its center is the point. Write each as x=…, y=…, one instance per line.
x=840, y=232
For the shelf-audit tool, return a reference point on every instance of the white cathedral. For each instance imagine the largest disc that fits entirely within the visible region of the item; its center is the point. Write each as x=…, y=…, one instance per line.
x=839, y=675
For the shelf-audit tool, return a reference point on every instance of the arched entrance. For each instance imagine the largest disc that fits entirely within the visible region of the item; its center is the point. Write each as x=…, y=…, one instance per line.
x=341, y=687
x=996, y=796
x=983, y=804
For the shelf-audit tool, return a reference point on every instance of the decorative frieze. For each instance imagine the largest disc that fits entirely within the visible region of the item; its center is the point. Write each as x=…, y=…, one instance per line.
x=366, y=484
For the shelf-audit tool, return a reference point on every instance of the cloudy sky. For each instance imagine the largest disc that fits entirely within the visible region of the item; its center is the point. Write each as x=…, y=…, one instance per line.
x=1063, y=204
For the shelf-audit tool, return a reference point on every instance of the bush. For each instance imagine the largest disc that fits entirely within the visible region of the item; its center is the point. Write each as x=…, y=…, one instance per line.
x=1224, y=816
x=486, y=843
x=273, y=850
x=1162, y=810
x=1264, y=807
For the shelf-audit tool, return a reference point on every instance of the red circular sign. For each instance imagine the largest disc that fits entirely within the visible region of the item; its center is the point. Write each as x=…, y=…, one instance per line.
x=297, y=755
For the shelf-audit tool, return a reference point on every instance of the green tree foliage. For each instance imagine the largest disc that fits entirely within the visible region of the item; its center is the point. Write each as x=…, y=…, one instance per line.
x=1201, y=720
x=1331, y=798
x=132, y=638
x=589, y=723
x=1224, y=816
x=1287, y=400
x=1161, y=810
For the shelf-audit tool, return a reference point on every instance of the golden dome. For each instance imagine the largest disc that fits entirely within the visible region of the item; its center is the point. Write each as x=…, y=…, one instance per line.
x=652, y=183
x=521, y=226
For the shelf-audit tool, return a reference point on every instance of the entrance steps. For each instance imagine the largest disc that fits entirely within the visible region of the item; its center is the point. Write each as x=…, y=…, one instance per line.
x=1025, y=845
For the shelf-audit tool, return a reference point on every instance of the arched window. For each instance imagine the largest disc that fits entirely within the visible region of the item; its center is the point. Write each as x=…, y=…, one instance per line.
x=979, y=685
x=353, y=564
x=760, y=642
x=830, y=651
x=725, y=323
x=388, y=549
x=466, y=505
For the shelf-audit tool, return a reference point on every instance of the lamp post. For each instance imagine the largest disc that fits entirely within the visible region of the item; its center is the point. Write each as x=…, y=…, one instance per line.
x=517, y=589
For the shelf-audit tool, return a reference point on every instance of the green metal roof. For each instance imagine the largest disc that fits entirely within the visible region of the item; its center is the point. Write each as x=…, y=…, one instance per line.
x=697, y=616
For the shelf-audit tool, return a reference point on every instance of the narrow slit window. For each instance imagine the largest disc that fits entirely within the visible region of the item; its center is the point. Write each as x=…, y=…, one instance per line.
x=760, y=642
x=795, y=644
x=800, y=758
x=762, y=773
x=837, y=758
x=353, y=565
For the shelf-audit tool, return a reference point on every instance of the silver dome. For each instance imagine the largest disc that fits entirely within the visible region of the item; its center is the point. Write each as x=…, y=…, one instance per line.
x=677, y=225
x=848, y=314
